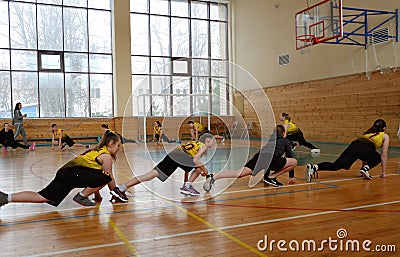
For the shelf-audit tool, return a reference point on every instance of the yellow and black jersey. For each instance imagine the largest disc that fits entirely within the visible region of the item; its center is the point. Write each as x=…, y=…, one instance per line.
x=200, y=127
x=291, y=128
x=58, y=133
x=375, y=138
x=88, y=159
x=157, y=130
x=192, y=147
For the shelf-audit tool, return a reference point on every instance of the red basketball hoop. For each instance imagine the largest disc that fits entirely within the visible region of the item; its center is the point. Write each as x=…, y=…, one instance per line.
x=306, y=40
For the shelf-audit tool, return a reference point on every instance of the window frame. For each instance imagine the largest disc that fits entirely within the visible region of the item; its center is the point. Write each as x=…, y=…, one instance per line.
x=190, y=58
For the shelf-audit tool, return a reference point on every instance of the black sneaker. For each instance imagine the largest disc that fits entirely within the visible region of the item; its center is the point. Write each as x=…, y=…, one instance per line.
x=83, y=200
x=209, y=182
x=278, y=184
x=3, y=199
x=121, y=196
x=364, y=172
x=272, y=181
x=63, y=145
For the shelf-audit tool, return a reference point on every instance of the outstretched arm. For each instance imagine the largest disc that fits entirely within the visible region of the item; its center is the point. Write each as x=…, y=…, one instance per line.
x=159, y=139
x=398, y=132
x=52, y=141
x=385, y=147
x=59, y=140
x=106, y=163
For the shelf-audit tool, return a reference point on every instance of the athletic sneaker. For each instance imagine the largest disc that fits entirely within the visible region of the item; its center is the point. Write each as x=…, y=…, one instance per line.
x=209, y=182
x=3, y=198
x=119, y=195
x=32, y=147
x=279, y=184
x=364, y=171
x=83, y=200
x=87, y=146
x=63, y=145
x=315, y=150
x=311, y=172
x=273, y=182
x=189, y=190
x=223, y=139
x=116, y=200
x=294, y=145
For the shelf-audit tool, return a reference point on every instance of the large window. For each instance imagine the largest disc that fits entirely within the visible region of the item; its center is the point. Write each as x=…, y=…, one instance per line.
x=55, y=58
x=179, y=47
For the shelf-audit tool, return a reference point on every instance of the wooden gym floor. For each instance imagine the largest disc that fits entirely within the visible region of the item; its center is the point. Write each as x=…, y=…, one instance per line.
x=337, y=212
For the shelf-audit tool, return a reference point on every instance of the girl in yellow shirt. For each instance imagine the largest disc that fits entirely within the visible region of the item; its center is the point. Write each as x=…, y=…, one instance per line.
x=91, y=170
x=186, y=157
x=61, y=139
x=363, y=148
x=158, y=134
x=293, y=133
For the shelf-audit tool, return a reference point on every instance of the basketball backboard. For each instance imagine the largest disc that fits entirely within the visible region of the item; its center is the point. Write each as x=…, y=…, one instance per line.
x=319, y=23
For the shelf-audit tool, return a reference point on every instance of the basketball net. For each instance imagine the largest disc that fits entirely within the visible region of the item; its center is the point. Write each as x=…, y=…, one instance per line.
x=305, y=42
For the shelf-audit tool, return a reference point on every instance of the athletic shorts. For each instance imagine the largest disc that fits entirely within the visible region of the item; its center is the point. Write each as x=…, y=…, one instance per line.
x=177, y=158
x=68, y=140
x=257, y=164
x=204, y=131
x=73, y=177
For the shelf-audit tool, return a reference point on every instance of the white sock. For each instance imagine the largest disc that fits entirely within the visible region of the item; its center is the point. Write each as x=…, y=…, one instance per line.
x=9, y=198
x=188, y=184
x=122, y=187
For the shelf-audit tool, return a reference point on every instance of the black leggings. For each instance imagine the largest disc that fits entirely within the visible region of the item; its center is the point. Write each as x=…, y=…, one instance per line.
x=164, y=138
x=299, y=137
x=358, y=149
x=14, y=144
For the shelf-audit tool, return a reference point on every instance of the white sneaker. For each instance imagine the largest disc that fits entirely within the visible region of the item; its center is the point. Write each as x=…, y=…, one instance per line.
x=316, y=150
x=223, y=139
x=209, y=182
x=309, y=172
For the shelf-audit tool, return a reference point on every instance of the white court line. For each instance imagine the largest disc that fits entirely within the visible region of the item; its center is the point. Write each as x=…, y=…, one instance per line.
x=152, y=239
x=299, y=184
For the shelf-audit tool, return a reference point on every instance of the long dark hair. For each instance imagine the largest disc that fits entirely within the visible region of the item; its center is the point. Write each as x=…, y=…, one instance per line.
x=17, y=107
x=52, y=127
x=158, y=123
x=286, y=116
x=379, y=126
x=279, y=129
